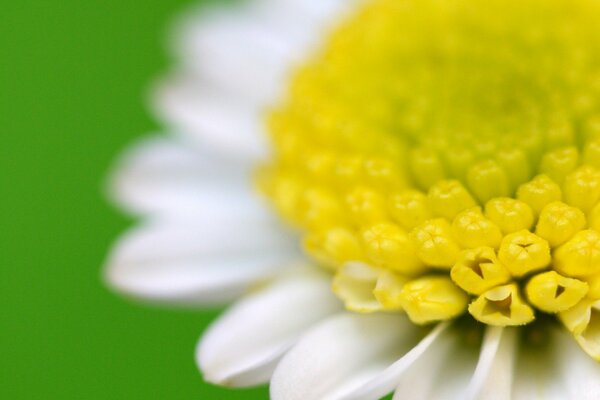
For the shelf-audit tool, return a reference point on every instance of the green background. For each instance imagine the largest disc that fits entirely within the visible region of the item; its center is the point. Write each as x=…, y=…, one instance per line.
x=73, y=76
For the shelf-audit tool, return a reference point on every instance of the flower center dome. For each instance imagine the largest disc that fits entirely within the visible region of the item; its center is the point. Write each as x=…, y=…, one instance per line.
x=443, y=158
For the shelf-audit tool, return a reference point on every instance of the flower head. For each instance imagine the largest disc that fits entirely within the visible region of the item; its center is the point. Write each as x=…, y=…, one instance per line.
x=439, y=163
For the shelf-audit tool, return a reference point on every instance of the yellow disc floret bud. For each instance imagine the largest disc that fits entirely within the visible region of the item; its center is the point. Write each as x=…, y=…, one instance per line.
x=539, y=192
x=334, y=246
x=366, y=206
x=582, y=188
x=409, y=208
x=388, y=246
x=558, y=222
x=471, y=229
x=559, y=163
x=523, y=252
x=509, y=215
x=580, y=256
x=434, y=243
x=487, y=180
x=432, y=298
x=447, y=198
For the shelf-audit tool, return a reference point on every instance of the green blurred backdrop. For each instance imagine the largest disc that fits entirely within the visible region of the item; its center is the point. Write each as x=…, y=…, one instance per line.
x=73, y=76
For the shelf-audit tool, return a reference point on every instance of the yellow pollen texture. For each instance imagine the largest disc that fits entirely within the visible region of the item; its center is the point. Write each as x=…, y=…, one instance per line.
x=443, y=158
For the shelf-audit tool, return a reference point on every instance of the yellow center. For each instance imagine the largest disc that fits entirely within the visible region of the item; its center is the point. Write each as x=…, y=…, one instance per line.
x=443, y=158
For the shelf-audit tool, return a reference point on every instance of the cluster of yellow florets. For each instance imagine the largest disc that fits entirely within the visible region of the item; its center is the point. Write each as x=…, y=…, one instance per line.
x=443, y=157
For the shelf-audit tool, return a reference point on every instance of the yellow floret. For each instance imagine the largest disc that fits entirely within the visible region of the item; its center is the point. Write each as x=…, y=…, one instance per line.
x=388, y=246
x=582, y=188
x=409, y=208
x=539, y=192
x=559, y=163
x=552, y=292
x=502, y=306
x=524, y=252
x=580, y=256
x=487, y=180
x=510, y=215
x=366, y=206
x=471, y=229
x=558, y=222
x=434, y=243
x=334, y=246
x=447, y=198
x=432, y=298
x=479, y=270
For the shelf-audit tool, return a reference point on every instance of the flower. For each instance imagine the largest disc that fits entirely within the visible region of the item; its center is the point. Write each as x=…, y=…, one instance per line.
x=437, y=161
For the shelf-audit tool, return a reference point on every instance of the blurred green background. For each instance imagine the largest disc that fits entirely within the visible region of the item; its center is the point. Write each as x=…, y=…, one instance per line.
x=73, y=76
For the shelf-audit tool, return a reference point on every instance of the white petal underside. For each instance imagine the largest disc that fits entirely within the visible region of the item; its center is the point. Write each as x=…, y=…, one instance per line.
x=193, y=262
x=243, y=347
x=340, y=355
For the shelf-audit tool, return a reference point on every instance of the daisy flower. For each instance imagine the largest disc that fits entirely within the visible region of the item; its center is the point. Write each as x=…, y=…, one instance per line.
x=404, y=194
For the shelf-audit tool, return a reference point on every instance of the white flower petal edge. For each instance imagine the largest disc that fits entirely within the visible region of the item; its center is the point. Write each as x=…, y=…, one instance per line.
x=341, y=354
x=243, y=347
x=189, y=261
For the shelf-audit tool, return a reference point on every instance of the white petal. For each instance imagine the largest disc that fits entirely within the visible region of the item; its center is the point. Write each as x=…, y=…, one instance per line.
x=389, y=379
x=340, y=355
x=493, y=376
x=243, y=347
x=210, y=117
x=193, y=262
x=160, y=176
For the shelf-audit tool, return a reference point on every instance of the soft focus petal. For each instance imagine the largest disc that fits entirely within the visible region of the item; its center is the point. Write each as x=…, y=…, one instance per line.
x=209, y=117
x=160, y=176
x=195, y=262
x=243, y=347
x=342, y=354
x=267, y=37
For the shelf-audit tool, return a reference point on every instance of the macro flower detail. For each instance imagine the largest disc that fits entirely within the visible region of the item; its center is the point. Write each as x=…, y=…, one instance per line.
x=438, y=162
